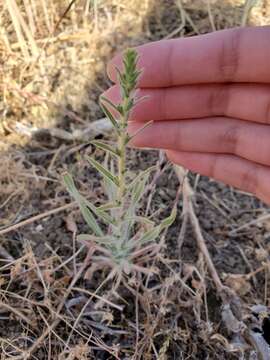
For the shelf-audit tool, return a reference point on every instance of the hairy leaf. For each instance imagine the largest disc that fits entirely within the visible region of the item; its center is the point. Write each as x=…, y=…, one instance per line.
x=88, y=217
x=110, y=187
x=109, y=115
x=90, y=220
x=108, y=206
x=140, y=176
x=139, y=219
x=100, y=213
x=106, y=147
x=150, y=235
x=129, y=138
x=117, y=108
x=105, y=172
x=170, y=219
x=138, y=190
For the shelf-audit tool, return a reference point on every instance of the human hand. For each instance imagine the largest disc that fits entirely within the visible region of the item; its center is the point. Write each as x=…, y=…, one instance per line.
x=209, y=99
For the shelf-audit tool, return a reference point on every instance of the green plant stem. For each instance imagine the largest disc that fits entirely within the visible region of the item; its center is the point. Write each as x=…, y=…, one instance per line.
x=122, y=150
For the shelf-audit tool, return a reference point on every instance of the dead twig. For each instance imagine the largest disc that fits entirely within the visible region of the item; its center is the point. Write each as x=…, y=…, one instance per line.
x=16, y=312
x=36, y=218
x=231, y=309
x=262, y=218
x=188, y=208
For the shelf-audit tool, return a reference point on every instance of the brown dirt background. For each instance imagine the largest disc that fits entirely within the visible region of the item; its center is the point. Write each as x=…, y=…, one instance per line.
x=161, y=318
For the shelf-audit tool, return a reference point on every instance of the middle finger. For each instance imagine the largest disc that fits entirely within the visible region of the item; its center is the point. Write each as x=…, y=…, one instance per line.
x=243, y=101
x=210, y=135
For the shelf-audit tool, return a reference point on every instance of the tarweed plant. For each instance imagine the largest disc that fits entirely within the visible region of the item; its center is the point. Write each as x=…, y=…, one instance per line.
x=120, y=235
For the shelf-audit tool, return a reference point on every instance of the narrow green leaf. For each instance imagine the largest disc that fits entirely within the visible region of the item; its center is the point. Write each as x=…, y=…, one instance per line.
x=69, y=183
x=100, y=240
x=106, y=147
x=130, y=104
x=90, y=220
x=129, y=138
x=150, y=235
x=170, y=219
x=136, y=195
x=138, y=219
x=105, y=172
x=138, y=190
x=110, y=187
x=115, y=107
x=122, y=81
x=140, y=99
x=110, y=117
x=100, y=213
x=140, y=176
x=86, y=213
x=121, y=76
x=153, y=233
x=108, y=206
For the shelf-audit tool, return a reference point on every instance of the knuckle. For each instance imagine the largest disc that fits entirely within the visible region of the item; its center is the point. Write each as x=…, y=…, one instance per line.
x=264, y=190
x=164, y=111
x=249, y=179
x=213, y=170
x=267, y=111
x=230, y=55
x=176, y=140
x=219, y=100
x=230, y=139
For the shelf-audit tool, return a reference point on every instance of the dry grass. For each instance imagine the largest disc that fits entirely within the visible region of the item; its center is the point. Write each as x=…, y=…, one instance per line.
x=52, y=306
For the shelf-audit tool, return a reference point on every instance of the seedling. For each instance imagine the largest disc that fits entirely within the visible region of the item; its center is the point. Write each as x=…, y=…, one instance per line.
x=120, y=235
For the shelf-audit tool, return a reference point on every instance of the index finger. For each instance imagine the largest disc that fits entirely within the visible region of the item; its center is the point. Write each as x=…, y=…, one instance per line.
x=234, y=55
